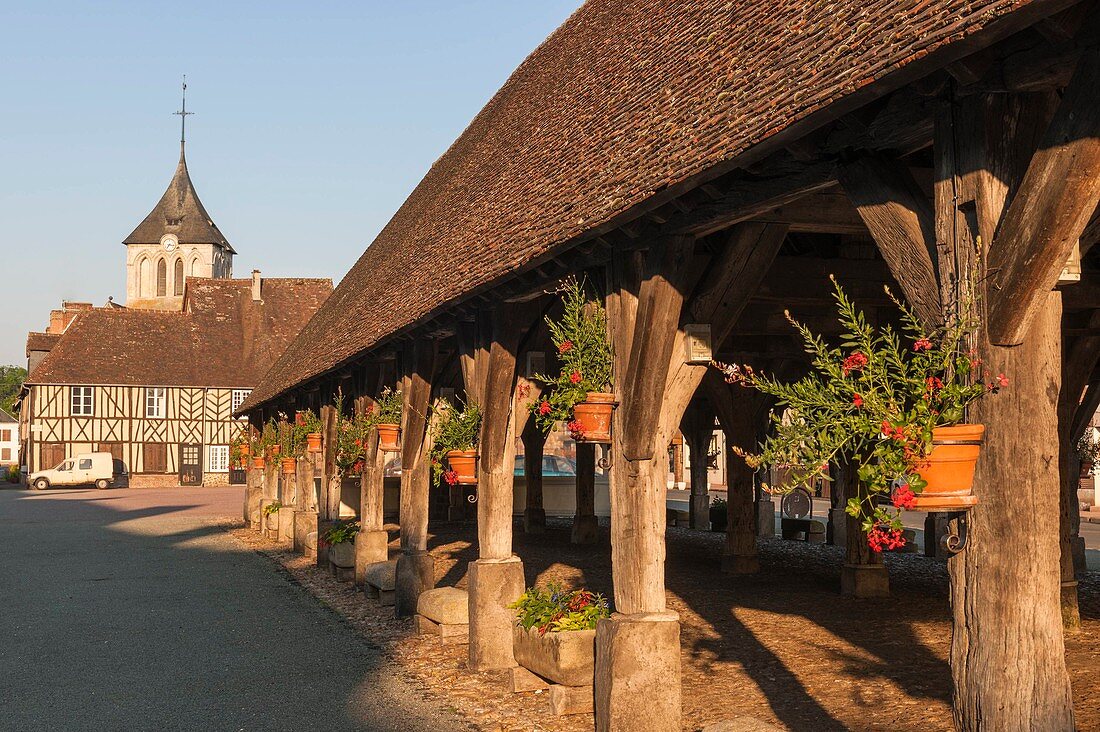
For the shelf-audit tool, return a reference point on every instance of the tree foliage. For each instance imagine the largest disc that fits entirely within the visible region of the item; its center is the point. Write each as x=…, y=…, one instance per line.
x=11, y=380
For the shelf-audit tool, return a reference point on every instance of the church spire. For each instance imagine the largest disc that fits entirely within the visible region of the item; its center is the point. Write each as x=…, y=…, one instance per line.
x=183, y=115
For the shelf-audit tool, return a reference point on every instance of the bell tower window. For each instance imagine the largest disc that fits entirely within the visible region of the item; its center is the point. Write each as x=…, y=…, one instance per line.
x=178, y=289
x=162, y=278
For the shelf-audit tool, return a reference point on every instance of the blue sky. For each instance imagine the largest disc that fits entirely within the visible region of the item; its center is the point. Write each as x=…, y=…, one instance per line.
x=313, y=122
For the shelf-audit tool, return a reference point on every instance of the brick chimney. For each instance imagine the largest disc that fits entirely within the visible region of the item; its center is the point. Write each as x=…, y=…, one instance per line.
x=256, y=285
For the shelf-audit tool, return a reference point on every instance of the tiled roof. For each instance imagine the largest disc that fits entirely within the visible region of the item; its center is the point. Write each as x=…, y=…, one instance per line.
x=41, y=341
x=622, y=101
x=6, y=418
x=179, y=212
x=222, y=339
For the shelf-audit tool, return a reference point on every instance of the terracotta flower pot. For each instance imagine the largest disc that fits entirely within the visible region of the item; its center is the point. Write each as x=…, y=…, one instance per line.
x=245, y=450
x=313, y=442
x=949, y=468
x=258, y=462
x=593, y=418
x=275, y=449
x=289, y=465
x=464, y=463
x=388, y=435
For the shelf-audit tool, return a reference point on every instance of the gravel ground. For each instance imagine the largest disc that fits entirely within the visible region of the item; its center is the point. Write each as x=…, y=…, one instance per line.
x=136, y=610
x=782, y=646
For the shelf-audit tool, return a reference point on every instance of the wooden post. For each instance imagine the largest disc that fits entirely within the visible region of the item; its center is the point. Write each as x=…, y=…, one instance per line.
x=697, y=427
x=863, y=574
x=585, y=525
x=305, y=518
x=496, y=578
x=415, y=565
x=326, y=512
x=1007, y=652
x=534, y=515
x=372, y=541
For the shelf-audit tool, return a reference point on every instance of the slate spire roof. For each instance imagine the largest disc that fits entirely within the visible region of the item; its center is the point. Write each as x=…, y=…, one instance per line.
x=179, y=212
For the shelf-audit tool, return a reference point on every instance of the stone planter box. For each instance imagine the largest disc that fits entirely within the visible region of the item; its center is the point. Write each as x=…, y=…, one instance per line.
x=566, y=658
x=271, y=521
x=342, y=555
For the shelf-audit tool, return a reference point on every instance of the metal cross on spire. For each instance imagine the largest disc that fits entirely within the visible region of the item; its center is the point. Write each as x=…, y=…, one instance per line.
x=183, y=113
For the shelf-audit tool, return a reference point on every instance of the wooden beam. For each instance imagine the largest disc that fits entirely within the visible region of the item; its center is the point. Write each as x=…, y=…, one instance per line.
x=1057, y=197
x=829, y=212
x=900, y=218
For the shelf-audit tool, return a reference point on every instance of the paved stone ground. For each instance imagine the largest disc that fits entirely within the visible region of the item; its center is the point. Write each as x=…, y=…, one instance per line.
x=135, y=609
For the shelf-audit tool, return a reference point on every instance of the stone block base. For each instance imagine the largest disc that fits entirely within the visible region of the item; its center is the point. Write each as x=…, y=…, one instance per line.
x=386, y=598
x=739, y=564
x=534, y=521
x=864, y=580
x=286, y=523
x=370, y=547
x=252, y=495
x=586, y=530
x=321, y=550
x=570, y=700
x=450, y=634
x=415, y=573
x=837, y=531
x=272, y=534
x=700, y=512
x=493, y=585
x=521, y=680
x=637, y=682
x=765, y=517
x=342, y=574
x=305, y=523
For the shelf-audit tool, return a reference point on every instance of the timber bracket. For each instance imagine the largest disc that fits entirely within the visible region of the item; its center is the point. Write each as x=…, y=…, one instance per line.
x=956, y=541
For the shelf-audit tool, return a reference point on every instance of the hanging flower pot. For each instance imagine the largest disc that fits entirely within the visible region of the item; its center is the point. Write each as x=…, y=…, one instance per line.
x=464, y=465
x=388, y=435
x=592, y=418
x=258, y=462
x=949, y=468
x=245, y=449
x=313, y=442
x=289, y=465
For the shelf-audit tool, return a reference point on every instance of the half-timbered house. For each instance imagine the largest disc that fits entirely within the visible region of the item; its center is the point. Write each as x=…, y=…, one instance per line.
x=155, y=382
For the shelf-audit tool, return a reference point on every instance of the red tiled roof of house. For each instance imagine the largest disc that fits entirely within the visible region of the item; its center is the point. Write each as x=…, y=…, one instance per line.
x=41, y=341
x=223, y=339
x=622, y=101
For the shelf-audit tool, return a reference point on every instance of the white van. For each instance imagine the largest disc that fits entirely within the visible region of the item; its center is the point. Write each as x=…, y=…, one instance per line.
x=96, y=468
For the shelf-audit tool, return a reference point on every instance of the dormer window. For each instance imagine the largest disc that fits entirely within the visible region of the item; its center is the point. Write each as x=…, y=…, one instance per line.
x=173, y=222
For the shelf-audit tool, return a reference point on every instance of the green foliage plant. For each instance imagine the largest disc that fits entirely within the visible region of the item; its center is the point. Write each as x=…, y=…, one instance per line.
x=555, y=609
x=387, y=409
x=342, y=532
x=290, y=442
x=1088, y=447
x=351, y=440
x=452, y=429
x=237, y=455
x=14, y=476
x=306, y=422
x=267, y=439
x=719, y=503
x=583, y=353
x=872, y=402
x=272, y=507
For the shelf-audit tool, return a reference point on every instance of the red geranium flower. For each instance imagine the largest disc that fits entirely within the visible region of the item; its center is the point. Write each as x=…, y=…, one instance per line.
x=575, y=377
x=857, y=400
x=882, y=537
x=934, y=383
x=565, y=347
x=904, y=497
x=922, y=344
x=855, y=362
x=545, y=407
x=1002, y=380
x=576, y=431
x=450, y=476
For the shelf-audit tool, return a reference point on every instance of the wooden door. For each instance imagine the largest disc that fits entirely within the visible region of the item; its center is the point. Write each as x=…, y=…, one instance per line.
x=52, y=453
x=115, y=448
x=190, y=464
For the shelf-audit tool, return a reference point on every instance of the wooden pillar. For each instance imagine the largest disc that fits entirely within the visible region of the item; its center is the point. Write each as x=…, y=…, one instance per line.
x=496, y=578
x=863, y=574
x=534, y=515
x=305, y=518
x=697, y=428
x=836, y=532
x=585, y=525
x=327, y=512
x=372, y=541
x=415, y=565
x=1007, y=651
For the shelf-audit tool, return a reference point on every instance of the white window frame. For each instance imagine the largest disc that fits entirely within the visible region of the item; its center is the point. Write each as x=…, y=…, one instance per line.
x=239, y=395
x=82, y=401
x=156, y=401
x=217, y=458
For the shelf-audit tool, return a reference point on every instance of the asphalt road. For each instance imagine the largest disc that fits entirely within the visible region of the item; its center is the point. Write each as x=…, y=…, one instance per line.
x=130, y=610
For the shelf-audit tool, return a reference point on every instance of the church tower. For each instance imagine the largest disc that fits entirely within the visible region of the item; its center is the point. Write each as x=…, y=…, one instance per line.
x=178, y=239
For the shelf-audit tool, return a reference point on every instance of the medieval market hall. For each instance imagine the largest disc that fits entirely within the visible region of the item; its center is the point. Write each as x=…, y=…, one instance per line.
x=155, y=381
x=703, y=168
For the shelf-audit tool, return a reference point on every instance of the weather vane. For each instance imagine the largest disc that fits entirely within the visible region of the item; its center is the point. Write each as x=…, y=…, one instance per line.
x=183, y=113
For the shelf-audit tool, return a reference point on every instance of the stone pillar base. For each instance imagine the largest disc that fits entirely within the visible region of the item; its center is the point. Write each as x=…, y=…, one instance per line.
x=1071, y=613
x=637, y=680
x=493, y=585
x=534, y=521
x=864, y=580
x=700, y=512
x=305, y=522
x=837, y=530
x=286, y=523
x=740, y=564
x=456, y=513
x=252, y=496
x=415, y=573
x=370, y=547
x=765, y=517
x=322, y=546
x=586, y=530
